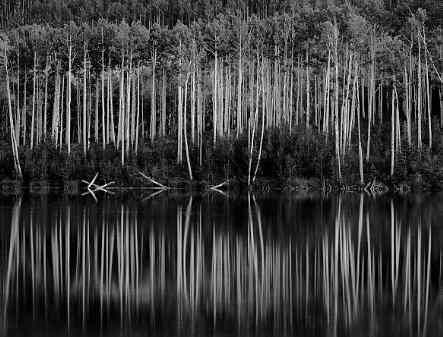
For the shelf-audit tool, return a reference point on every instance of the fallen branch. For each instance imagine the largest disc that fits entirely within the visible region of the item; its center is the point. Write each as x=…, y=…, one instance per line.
x=219, y=185
x=219, y=191
x=93, y=187
x=91, y=193
x=92, y=181
x=154, y=194
x=153, y=181
x=103, y=187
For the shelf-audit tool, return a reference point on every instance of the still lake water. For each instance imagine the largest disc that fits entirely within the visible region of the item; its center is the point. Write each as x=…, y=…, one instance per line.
x=169, y=265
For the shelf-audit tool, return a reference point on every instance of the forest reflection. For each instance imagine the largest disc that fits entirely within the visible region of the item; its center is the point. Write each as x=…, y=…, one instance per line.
x=190, y=264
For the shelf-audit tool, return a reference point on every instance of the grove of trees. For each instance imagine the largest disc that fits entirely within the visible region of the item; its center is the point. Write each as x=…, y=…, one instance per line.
x=216, y=71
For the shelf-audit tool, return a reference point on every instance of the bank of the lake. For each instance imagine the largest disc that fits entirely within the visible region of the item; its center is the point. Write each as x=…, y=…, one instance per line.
x=300, y=161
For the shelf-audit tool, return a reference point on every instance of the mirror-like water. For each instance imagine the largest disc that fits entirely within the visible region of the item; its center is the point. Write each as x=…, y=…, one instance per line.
x=167, y=266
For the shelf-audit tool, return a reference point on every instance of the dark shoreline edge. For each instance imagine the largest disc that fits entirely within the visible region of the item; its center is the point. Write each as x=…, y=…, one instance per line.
x=237, y=186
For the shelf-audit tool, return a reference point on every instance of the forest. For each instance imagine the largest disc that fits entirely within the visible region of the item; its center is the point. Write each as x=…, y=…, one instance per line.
x=258, y=92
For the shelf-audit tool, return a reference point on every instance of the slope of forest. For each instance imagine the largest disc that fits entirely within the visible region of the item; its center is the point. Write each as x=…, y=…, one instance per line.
x=343, y=93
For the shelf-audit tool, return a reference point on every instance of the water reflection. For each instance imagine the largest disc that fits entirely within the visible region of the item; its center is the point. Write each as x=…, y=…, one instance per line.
x=194, y=264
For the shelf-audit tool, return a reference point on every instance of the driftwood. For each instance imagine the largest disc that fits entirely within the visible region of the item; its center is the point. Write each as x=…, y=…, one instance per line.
x=153, y=194
x=216, y=187
x=93, y=187
x=159, y=185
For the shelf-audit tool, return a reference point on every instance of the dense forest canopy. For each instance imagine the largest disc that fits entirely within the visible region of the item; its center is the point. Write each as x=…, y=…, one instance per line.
x=17, y=12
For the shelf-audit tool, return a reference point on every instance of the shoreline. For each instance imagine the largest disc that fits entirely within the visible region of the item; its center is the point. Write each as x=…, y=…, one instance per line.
x=236, y=186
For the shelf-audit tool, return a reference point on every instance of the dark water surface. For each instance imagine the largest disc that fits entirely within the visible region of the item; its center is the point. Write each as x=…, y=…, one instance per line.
x=280, y=265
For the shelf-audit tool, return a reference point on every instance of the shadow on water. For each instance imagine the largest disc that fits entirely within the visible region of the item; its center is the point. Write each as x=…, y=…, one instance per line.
x=342, y=265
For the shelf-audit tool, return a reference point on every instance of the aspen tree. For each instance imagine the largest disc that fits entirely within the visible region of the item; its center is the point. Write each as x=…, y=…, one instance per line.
x=180, y=111
x=105, y=126
x=84, y=140
x=397, y=121
x=163, y=105
x=62, y=104
x=336, y=111
x=419, y=99
x=297, y=106
x=18, y=112
x=68, y=98
x=153, y=99
x=360, y=150
x=14, y=146
x=239, y=87
x=34, y=93
x=188, y=159
x=45, y=108
x=137, y=118
x=291, y=92
x=392, y=131
x=371, y=95
x=24, y=110
x=193, y=88
x=407, y=106
x=262, y=119
x=96, y=120
x=428, y=101
x=326, y=107
x=56, y=105
x=215, y=99
x=308, y=96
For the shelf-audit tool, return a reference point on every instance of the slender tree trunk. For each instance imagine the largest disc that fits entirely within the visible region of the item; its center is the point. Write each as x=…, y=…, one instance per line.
x=68, y=99
x=96, y=114
x=336, y=111
x=34, y=93
x=17, y=166
x=56, y=106
x=111, y=130
x=105, y=120
x=200, y=117
x=308, y=89
x=193, y=102
x=397, y=122
x=326, y=96
x=262, y=119
x=84, y=134
x=408, y=104
x=392, y=132
x=440, y=94
x=137, y=119
x=297, y=108
x=127, y=134
x=428, y=104
x=24, y=110
x=215, y=99
x=18, y=112
x=419, y=99
x=163, y=121
x=179, y=117
x=360, y=150
x=45, y=108
x=153, y=123
x=62, y=104
x=371, y=97
x=291, y=92
x=188, y=160
x=239, y=91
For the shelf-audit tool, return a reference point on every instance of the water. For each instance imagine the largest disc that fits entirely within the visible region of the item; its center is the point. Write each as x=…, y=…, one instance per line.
x=170, y=265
